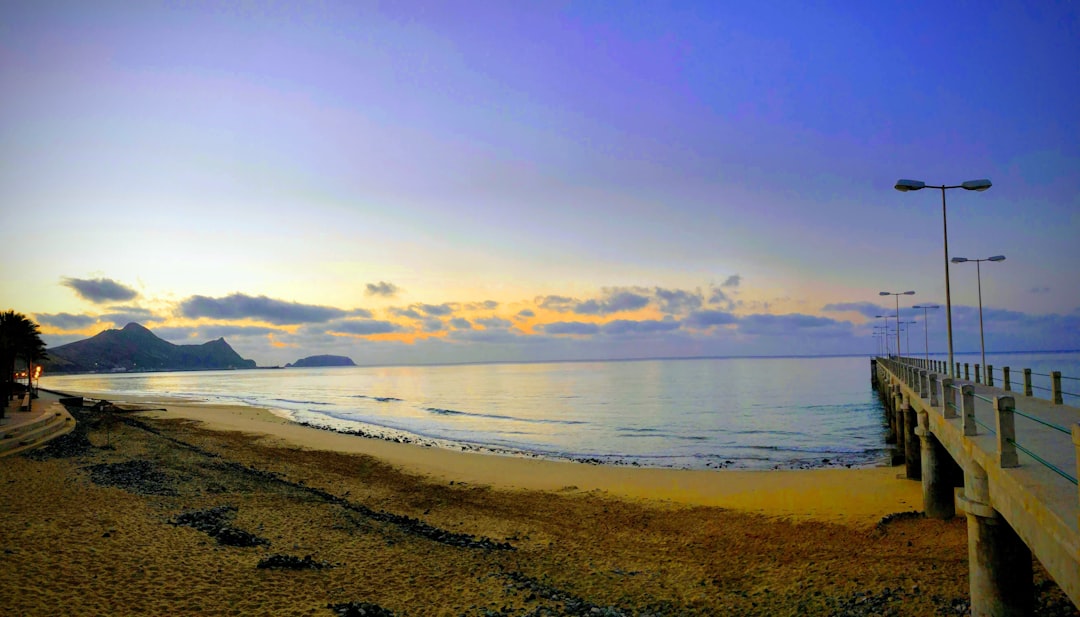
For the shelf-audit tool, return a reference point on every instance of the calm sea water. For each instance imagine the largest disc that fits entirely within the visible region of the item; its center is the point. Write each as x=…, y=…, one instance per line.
x=756, y=413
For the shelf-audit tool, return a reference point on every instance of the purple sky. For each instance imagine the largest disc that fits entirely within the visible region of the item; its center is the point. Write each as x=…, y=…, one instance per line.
x=435, y=182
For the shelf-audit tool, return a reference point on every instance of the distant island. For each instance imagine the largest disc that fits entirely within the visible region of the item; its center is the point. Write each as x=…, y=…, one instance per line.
x=324, y=360
x=135, y=348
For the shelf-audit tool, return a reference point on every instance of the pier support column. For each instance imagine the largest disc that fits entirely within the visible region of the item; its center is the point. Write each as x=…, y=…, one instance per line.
x=912, y=450
x=898, y=418
x=999, y=563
x=937, y=473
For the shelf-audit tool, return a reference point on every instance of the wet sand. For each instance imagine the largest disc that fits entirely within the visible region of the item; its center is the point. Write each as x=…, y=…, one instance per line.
x=88, y=526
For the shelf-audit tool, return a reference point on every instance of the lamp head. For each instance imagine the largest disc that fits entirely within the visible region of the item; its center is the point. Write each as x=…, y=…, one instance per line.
x=959, y=260
x=976, y=185
x=884, y=293
x=996, y=258
x=909, y=293
x=904, y=186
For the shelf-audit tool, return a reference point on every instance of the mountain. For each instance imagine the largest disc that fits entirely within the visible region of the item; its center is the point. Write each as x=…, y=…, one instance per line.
x=322, y=361
x=134, y=348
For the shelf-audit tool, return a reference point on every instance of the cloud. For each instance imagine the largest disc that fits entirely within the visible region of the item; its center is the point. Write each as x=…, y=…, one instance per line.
x=362, y=327
x=242, y=306
x=435, y=309
x=496, y=337
x=222, y=331
x=709, y=318
x=570, y=327
x=1039, y=290
x=489, y=305
x=65, y=321
x=100, y=291
x=359, y=312
x=460, y=323
x=617, y=302
x=621, y=327
x=523, y=313
x=866, y=309
x=767, y=324
x=181, y=335
x=382, y=288
x=433, y=324
x=494, y=322
x=678, y=301
x=123, y=315
x=719, y=298
x=732, y=281
x=560, y=304
x=405, y=312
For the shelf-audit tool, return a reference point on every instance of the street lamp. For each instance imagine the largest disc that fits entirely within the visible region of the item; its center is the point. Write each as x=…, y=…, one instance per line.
x=971, y=185
x=907, y=334
x=897, y=294
x=883, y=341
x=886, y=333
x=926, y=337
x=978, y=275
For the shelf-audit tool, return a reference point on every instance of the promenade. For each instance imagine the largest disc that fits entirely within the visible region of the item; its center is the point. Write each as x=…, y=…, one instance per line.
x=24, y=428
x=1006, y=460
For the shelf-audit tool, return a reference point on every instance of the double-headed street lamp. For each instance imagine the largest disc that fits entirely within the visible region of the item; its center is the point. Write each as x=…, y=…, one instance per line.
x=907, y=334
x=926, y=337
x=971, y=185
x=978, y=275
x=885, y=334
x=897, y=294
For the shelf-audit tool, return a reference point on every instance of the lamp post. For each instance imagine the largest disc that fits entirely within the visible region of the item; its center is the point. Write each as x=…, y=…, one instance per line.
x=907, y=334
x=885, y=333
x=978, y=275
x=971, y=185
x=926, y=337
x=882, y=333
x=897, y=294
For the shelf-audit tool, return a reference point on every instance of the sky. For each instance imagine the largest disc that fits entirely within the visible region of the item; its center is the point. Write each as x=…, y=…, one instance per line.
x=429, y=182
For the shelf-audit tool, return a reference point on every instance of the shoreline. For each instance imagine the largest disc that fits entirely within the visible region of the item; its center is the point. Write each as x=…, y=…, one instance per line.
x=860, y=496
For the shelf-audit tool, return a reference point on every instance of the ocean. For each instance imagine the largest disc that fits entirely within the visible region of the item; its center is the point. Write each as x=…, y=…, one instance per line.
x=743, y=413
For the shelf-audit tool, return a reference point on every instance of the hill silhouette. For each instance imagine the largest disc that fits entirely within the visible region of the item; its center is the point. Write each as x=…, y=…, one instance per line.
x=324, y=360
x=135, y=348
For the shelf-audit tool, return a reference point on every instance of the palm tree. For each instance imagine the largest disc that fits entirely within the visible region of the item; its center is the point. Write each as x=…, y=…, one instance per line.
x=20, y=337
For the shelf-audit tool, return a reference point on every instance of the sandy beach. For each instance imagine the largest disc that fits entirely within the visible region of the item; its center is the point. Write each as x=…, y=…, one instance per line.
x=203, y=509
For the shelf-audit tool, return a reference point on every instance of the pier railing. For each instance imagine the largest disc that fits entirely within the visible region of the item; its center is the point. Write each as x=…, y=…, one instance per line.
x=1020, y=452
x=924, y=379
x=1052, y=386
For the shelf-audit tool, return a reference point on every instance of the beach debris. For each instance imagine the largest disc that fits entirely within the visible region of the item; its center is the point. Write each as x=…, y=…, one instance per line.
x=898, y=516
x=289, y=562
x=360, y=609
x=141, y=477
x=407, y=524
x=214, y=522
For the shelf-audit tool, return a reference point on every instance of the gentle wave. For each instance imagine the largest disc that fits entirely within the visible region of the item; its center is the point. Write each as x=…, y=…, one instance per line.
x=453, y=412
x=380, y=399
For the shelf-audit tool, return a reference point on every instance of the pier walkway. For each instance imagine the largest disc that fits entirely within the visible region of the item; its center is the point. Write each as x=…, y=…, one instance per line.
x=1010, y=462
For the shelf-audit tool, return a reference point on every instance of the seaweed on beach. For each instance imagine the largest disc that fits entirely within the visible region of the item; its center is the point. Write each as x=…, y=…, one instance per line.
x=289, y=562
x=407, y=524
x=898, y=516
x=214, y=522
x=76, y=443
x=359, y=609
x=141, y=477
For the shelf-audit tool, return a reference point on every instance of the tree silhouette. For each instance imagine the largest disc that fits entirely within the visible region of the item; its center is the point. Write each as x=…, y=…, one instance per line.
x=20, y=337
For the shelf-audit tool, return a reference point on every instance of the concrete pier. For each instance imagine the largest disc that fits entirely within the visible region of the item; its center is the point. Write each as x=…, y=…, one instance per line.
x=999, y=563
x=938, y=473
x=1017, y=455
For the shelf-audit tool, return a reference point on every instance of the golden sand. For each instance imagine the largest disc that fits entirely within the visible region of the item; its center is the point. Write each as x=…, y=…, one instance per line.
x=393, y=518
